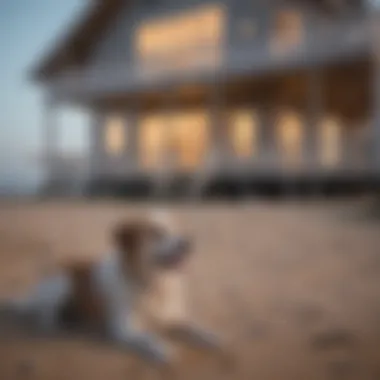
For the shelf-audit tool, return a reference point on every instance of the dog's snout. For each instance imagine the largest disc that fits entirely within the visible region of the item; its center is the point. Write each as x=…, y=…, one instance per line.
x=174, y=251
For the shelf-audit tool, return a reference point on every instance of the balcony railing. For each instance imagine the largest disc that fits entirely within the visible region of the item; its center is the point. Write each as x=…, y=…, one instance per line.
x=325, y=44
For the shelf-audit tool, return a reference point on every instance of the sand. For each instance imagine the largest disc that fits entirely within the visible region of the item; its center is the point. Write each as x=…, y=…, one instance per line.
x=293, y=288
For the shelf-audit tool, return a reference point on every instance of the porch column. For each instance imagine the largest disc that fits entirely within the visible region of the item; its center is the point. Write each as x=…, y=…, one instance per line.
x=267, y=143
x=215, y=157
x=315, y=114
x=263, y=137
x=171, y=109
x=50, y=138
x=376, y=116
x=219, y=150
x=375, y=29
x=168, y=162
x=97, y=149
x=132, y=127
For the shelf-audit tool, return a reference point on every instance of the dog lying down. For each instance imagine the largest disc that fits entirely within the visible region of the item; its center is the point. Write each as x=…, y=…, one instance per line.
x=120, y=299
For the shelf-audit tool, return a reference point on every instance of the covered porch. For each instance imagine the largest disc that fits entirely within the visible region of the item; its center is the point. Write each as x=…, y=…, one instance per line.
x=306, y=125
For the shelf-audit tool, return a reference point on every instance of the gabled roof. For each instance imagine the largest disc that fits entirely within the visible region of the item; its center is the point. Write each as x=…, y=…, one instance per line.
x=76, y=44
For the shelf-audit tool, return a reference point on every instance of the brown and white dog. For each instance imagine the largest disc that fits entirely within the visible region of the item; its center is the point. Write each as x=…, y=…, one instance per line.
x=119, y=298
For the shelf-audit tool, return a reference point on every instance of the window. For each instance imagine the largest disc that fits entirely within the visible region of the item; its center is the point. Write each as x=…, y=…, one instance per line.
x=181, y=138
x=288, y=31
x=152, y=141
x=244, y=133
x=189, y=138
x=187, y=41
x=330, y=142
x=290, y=138
x=115, y=135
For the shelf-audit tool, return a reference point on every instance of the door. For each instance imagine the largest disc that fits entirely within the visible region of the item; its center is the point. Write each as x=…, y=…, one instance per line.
x=289, y=136
x=189, y=138
x=243, y=133
x=330, y=142
x=152, y=141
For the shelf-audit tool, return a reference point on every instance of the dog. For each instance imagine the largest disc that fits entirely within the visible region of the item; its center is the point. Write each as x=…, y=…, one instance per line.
x=141, y=279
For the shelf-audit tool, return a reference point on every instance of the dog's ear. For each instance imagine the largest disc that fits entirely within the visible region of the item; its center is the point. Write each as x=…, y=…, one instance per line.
x=126, y=236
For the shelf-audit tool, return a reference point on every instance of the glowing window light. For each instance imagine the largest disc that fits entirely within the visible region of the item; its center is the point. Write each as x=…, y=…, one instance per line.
x=330, y=142
x=152, y=139
x=182, y=136
x=189, y=138
x=288, y=31
x=290, y=138
x=244, y=133
x=115, y=135
x=183, y=41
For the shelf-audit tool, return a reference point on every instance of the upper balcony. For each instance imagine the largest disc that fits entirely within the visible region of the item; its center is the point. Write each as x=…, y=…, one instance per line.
x=326, y=44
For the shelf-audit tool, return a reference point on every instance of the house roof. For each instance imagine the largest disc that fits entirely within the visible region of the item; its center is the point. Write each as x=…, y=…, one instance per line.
x=75, y=45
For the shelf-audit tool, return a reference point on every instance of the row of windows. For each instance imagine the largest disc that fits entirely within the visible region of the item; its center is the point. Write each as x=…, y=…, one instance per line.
x=195, y=39
x=188, y=40
x=287, y=30
x=185, y=138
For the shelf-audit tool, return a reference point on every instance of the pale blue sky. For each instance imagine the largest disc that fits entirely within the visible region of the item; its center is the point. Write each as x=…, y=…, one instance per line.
x=27, y=29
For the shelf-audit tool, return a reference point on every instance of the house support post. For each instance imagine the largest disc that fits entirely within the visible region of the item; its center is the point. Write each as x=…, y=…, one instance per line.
x=219, y=133
x=268, y=152
x=97, y=148
x=315, y=115
x=216, y=158
x=132, y=128
x=375, y=38
x=163, y=178
x=50, y=142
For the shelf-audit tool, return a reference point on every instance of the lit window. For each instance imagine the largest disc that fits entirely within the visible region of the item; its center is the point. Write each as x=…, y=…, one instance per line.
x=115, y=135
x=186, y=41
x=288, y=31
x=152, y=140
x=244, y=133
x=330, y=142
x=178, y=139
x=189, y=138
x=290, y=138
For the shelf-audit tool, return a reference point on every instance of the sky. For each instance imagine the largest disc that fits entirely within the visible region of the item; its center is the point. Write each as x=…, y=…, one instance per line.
x=27, y=29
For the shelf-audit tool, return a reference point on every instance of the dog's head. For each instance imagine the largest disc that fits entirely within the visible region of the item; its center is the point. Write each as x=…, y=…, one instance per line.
x=151, y=243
